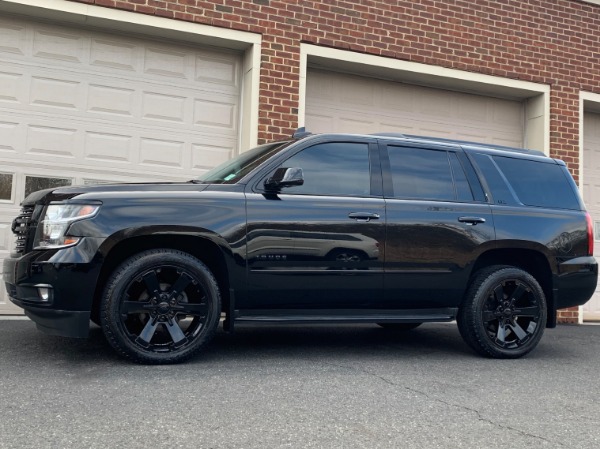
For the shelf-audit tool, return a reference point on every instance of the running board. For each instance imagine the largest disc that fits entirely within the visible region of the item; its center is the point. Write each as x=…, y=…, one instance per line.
x=345, y=316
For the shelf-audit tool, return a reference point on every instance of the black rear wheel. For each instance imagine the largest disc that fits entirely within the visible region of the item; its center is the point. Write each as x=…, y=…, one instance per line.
x=504, y=313
x=160, y=306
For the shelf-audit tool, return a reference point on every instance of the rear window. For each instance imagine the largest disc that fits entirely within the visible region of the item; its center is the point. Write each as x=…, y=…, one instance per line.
x=424, y=174
x=536, y=183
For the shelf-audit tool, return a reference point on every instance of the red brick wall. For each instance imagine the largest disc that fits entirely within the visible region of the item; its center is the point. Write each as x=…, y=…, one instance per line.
x=551, y=42
x=535, y=40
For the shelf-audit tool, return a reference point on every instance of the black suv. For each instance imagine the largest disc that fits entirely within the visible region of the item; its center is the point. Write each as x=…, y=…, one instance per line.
x=389, y=229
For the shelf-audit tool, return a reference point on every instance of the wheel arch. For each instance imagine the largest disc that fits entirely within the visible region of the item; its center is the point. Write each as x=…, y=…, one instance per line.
x=530, y=260
x=211, y=253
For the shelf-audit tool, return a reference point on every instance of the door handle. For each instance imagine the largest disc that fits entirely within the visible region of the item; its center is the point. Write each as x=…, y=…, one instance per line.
x=471, y=220
x=363, y=216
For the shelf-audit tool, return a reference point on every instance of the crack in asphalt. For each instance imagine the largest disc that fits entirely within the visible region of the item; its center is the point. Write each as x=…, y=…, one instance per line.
x=480, y=417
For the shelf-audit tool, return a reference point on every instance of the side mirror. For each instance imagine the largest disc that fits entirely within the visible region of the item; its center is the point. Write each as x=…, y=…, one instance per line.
x=285, y=177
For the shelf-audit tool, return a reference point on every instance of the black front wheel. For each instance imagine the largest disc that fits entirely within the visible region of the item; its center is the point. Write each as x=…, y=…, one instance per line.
x=504, y=312
x=160, y=306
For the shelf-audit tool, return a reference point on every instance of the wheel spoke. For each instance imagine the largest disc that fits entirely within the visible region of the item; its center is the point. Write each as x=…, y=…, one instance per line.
x=499, y=294
x=488, y=315
x=152, y=284
x=129, y=307
x=533, y=311
x=147, y=333
x=192, y=309
x=518, y=330
x=516, y=295
x=175, y=331
x=180, y=285
x=501, y=335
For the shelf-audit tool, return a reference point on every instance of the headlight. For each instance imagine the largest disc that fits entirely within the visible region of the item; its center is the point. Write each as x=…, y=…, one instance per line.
x=52, y=229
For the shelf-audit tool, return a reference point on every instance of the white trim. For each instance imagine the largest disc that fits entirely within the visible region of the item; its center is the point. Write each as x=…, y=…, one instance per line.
x=593, y=2
x=432, y=76
x=132, y=22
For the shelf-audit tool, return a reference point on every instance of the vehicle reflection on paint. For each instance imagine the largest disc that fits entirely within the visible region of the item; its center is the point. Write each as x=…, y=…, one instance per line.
x=334, y=250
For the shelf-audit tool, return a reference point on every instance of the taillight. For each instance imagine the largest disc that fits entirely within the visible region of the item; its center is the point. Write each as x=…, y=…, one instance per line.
x=590, y=233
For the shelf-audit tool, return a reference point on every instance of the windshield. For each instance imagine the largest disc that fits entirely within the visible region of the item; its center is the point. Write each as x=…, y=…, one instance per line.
x=235, y=169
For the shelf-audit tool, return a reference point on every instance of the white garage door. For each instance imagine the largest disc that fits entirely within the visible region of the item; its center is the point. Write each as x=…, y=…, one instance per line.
x=591, y=195
x=356, y=104
x=84, y=106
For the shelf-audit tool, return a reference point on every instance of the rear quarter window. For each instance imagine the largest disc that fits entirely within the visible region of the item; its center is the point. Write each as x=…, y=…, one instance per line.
x=534, y=183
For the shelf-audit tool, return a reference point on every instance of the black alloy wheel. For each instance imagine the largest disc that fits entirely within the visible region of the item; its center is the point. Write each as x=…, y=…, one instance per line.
x=504, y=313
x=160, y=306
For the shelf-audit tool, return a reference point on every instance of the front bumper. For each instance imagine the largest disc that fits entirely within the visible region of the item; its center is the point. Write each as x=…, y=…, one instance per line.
x=65, y=323
x=55, y=288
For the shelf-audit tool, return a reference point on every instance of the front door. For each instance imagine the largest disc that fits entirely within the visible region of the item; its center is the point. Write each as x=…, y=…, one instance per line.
x=319, y=245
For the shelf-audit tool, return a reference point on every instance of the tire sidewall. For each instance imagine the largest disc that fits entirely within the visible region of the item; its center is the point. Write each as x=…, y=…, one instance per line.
x=479, y=298
x=113, y=327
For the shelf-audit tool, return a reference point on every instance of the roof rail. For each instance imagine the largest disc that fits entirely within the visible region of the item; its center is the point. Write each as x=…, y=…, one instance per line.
x=389, y=134
x=301, y=132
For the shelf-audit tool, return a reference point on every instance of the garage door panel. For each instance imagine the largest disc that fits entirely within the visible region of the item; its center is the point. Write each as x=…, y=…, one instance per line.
x=92, y=106
x=359, y=92
x=390, y=106
x=111, y=100
x=114, y=55
x=358, y=124
x=215, y=114
x=398, y=100
x=13, y=37
x=96, y=53
x=206, y=156
x=58, y=95
x=319, y=123
x=52, y=141
x=10, y=86
x=213, y=68
x=473, y=109
x=57, y=44
x=9, y=137
x=108, y=148
x=591, y=195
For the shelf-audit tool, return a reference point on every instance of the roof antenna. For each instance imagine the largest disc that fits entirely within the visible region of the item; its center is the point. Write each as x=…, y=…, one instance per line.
x=301, y=132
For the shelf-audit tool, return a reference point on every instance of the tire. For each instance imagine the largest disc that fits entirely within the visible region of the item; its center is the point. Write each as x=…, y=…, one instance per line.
x=346, y=255
x=504, y=313
x=160, y=306
x=399, y=326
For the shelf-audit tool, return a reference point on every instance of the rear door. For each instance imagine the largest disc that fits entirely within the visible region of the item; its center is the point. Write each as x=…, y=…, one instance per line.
x=438, y=223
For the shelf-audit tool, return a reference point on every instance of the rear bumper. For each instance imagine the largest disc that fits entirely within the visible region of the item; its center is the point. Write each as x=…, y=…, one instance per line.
x=576, y=282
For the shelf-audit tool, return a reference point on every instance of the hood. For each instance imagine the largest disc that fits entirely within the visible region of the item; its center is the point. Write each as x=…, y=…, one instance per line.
x=66, y=193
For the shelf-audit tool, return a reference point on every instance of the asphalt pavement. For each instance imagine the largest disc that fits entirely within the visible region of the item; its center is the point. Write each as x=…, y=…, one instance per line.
x=348, y=386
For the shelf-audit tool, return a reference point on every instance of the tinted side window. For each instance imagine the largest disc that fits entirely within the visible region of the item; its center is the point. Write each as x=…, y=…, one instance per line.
x=337, y=168
x=421, y=174
x=501, y=193
x=463, y=189
x=538, y=183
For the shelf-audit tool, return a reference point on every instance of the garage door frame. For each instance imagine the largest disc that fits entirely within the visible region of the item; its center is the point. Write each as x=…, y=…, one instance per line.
x=588, y=102
x=536, y=96
x=108, y=19
x=77, y=15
